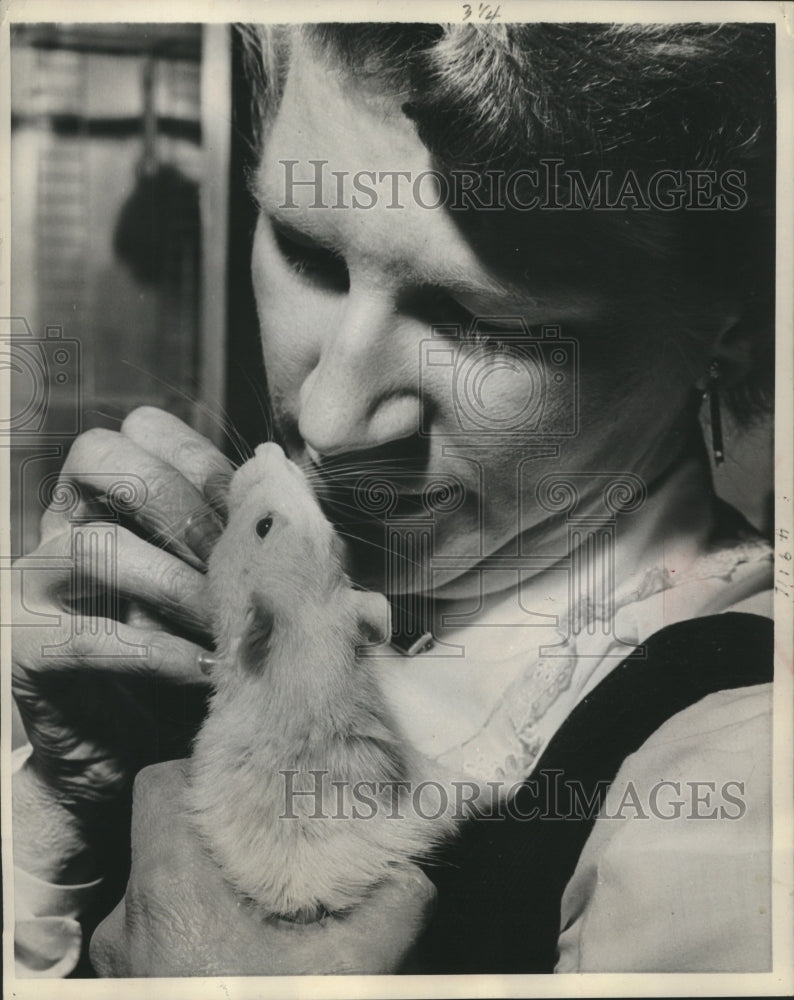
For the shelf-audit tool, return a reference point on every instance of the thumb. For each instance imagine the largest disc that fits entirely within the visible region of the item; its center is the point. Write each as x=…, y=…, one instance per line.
x=390, y=920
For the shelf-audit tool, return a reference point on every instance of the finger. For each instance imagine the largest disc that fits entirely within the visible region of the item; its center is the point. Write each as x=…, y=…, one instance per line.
x=158, y=783
x=199, y=461
x=103, y=562
x=108, y=646
x=408, y=886
x=181, y=916
x=68, y=503
x=140, y=616
x=172, y=441
x=109, y=945
x=390, y=920
x=155, y=495
x=371, y=938
x=65, y=499
x=116, y=559
x=163, y=838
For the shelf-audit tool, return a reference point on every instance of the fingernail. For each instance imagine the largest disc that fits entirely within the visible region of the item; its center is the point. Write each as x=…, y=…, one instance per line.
x=202, y=531
x=206, y=662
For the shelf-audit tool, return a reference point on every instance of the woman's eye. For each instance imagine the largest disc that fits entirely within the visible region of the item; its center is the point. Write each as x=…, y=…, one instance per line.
x=310, y=260
x=436, y=306
x=489, y=335
x=263, y=526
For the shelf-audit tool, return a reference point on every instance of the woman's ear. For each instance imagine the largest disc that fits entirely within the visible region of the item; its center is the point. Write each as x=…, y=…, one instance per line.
x=733, y=352
x=374, y=615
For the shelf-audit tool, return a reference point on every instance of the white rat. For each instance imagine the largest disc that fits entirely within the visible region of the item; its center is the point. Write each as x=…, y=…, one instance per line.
x=296, y=709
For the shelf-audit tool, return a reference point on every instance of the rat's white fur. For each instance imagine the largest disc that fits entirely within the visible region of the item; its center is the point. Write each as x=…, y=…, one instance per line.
x=292, y=695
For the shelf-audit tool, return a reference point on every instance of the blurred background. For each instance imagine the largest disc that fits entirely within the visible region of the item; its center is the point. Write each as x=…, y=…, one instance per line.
x=131, y=235
x=123, y=154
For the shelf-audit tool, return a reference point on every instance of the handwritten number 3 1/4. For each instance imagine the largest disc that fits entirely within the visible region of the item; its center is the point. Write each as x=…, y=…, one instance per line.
x=484, y=12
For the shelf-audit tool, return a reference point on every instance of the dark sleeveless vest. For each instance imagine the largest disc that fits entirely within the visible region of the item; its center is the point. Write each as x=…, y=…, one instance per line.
x=500, y=883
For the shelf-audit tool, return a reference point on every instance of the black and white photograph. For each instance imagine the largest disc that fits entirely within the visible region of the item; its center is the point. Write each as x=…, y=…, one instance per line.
x=397, y=551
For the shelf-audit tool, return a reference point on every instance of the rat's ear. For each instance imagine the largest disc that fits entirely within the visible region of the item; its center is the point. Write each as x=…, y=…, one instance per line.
x=374, y=615
x=255, y=642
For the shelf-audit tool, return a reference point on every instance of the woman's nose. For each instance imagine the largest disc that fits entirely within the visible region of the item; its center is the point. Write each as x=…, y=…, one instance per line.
x=364, y=389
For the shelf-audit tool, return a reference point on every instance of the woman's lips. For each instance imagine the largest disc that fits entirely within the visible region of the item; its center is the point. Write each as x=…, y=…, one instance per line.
x=361, y=490
x=366, y=481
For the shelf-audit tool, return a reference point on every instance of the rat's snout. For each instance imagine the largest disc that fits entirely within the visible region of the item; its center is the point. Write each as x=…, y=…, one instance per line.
x=271, y=460
x=270, y=452
x=267, y=462
x=267, y=488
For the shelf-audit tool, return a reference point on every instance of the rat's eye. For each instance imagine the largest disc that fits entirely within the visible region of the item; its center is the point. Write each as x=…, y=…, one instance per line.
x=263, y=526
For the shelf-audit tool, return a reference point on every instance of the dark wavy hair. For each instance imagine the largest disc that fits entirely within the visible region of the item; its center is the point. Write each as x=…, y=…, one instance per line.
x=613, y=97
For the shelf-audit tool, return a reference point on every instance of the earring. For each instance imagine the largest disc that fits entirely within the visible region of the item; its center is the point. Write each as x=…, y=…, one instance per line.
x=715, y=413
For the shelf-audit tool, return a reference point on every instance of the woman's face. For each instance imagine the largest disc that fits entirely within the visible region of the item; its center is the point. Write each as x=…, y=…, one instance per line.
x=364, y=388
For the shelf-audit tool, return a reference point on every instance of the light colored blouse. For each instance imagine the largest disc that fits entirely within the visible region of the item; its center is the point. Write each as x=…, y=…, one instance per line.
x=676, y=877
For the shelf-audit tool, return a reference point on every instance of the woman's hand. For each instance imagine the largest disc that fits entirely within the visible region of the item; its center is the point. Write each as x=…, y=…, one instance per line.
x=180, y=918
x=109, y=611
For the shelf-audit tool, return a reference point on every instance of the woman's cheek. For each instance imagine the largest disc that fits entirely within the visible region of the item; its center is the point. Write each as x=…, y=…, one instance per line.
x=287, y=359
x=288, y=321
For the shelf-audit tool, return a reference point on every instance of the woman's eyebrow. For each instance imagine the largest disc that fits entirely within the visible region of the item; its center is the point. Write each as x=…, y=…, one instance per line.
x=305, y=237
x=454, y=278
x=261, y=191
x=451, y=278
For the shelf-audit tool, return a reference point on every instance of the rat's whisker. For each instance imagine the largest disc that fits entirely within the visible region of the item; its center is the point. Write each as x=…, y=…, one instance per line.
x=373, y=545
x=261, y=400
x=363, y=467
x=221, y=418
x=115, y=418
x=172, y=534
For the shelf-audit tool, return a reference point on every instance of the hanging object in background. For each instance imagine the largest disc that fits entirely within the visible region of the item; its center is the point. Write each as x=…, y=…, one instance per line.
x=157, y=224
x=158, y=228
